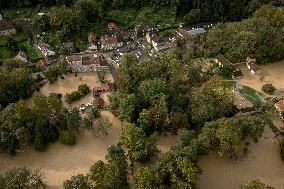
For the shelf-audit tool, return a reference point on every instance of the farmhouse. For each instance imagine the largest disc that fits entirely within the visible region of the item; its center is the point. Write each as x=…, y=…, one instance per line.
x=255, y=69
x=159, y=43
x=222, y=61
x=86, y=63
x=6, y=26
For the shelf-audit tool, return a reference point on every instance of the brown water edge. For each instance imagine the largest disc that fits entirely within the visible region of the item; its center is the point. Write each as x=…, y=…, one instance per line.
x=263, y=163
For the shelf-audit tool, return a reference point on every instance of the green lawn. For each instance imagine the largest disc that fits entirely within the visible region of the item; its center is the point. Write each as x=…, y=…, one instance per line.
x=252, y=95
x=22, y=12
x=3, y=41
x=163, y=16
x=6, y=53
x=124, y=17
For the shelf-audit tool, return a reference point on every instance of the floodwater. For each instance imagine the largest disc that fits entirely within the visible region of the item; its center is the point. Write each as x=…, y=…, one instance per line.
x=263, y=163
x=272, y=73
x=70, y=83
x=60, y=162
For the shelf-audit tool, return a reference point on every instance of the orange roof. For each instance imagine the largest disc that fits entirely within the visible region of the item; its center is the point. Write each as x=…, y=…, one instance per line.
x=279, y=105
x=74, y=58
x=112, y=26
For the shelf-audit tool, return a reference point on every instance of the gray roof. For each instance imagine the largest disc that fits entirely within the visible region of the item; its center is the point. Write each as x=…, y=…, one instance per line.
x=196, y=31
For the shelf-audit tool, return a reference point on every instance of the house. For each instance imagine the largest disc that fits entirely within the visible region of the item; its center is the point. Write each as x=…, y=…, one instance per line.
x=112, y=26
x=86, y=63
x=94, y=41
x=124, y=35
x=6, y=26
x=69, y=46
x=141, y=30
x=222, y=61
x=22, y=56
x=279, y=106
x=44, y=48
x=193, y=32
x=255, y=69
x=252, y=66
x=99, y=103
x=41, y=64
x=237, y=74
x=159, y=43
x=111, y=42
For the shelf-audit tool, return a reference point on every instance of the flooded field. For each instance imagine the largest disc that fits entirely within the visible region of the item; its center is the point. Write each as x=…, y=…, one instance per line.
x=263, y=163
x=272, y=73
x=60, y=162
x=70, y=83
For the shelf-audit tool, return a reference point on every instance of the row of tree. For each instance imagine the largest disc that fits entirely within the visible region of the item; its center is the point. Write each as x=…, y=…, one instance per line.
x=260, y=36
x=44, y=122
x=15, y=82
x=177, y=168
x=212, y=10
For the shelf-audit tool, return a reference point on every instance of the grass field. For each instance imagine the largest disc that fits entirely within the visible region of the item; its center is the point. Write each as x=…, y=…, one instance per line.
x=252, y=95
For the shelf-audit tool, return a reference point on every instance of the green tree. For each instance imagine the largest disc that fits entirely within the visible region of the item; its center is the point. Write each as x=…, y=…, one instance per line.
x=211, y=101
x=146, y=178
x=21, y=178
x=102, y=127
x=66, y=137
x=256, y=184
x=140, y=148
x=179, y=121
x=84, y=89
x=78, y=182
x=268, y=88
x=193, y=17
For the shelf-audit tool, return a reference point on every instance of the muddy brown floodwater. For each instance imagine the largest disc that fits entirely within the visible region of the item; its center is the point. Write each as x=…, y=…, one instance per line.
x=60, y=162
x=263, y=163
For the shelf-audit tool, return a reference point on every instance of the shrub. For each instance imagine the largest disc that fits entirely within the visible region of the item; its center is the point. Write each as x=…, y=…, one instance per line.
x=22, y=178
x=95, y=113
x=39, y=144
x=256, y=184
x=282, y=149
x=84, y=89
x=71, y=97
x=67, y=138
x=268, y=88
x=79, y=182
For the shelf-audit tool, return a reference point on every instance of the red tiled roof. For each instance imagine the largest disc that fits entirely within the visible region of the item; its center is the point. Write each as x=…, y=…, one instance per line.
x=112, y=26
x=279, y=105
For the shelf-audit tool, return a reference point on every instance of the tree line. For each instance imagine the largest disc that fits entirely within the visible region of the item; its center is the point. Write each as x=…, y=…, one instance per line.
x=260, y=36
